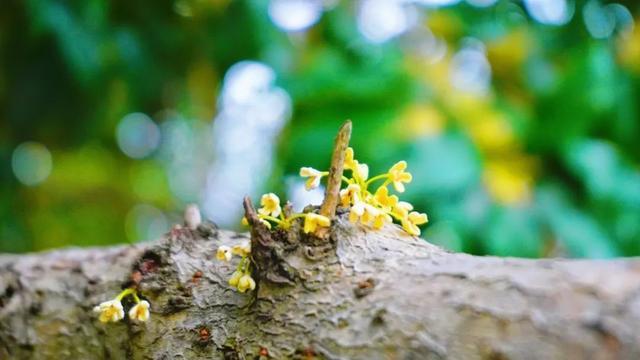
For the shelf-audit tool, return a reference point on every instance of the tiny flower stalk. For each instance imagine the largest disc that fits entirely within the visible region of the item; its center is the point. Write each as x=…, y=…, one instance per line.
x=113, y=311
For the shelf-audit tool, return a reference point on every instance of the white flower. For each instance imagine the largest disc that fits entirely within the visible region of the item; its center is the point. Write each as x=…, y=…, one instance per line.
x=140, y=311
x=314, y=177
x=363, y=171
x=110, y=311
x=224, y=253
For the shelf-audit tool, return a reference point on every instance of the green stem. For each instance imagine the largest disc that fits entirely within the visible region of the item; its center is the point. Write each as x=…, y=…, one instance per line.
x=124, y=293
x=274, y=219
x=375, y=178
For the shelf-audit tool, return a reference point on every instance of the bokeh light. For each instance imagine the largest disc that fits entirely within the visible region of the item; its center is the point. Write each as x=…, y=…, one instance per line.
x=550, y=12
x=137, y=135
x=295, y=15
x=31, y=163
x=252, y=112
x=382, y=20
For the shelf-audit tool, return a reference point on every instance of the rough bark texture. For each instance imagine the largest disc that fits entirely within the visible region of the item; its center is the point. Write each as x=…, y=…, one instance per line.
x=363, y=295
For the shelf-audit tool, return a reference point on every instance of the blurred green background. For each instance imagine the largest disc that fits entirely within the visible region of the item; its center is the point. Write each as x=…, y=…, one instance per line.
x=519, y=119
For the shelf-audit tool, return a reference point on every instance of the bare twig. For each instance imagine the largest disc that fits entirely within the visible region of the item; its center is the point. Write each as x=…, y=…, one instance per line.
x=334, y=180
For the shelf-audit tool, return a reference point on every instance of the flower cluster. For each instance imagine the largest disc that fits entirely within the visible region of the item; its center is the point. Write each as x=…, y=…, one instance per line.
x=241, y=278
x=271, y=212
x=377, y=208
x=112, y=310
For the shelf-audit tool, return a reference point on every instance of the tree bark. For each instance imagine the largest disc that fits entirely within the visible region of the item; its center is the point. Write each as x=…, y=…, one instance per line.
x=362, y=295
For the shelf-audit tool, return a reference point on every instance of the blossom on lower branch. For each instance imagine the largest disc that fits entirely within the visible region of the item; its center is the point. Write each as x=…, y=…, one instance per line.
x=110, y=311
x=113, y=311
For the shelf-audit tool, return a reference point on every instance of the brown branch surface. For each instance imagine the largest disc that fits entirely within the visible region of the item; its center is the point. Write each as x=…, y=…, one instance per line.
x=334, y=180
x=365, y=295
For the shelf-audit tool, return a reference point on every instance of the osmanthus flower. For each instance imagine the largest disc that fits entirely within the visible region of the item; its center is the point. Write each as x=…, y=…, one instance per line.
x=224, y=253
x=270, y=205
x=350, y=195
x=110, y=311
x=314, y=176
x=411, y=222
x=242, y=249
x=245, y=283
x=140, y=311
x=235, y=277
x=398, y=175
x=350, y=162
x=312, y=221
x=385, y=200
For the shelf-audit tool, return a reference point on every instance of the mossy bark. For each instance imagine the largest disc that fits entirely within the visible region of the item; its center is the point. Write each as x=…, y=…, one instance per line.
x=361, y=295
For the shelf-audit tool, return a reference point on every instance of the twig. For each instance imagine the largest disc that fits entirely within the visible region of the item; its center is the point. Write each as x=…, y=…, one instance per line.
x=334, y=180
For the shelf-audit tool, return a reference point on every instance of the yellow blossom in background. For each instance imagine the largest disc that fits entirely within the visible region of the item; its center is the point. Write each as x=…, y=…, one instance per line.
x=507, y=184
x=270, y=205
x=312, y=221
x=398, y=175
x=314, y=177
x=140, y=311
x=628, y=46
x=418, y=121
x=110, y=311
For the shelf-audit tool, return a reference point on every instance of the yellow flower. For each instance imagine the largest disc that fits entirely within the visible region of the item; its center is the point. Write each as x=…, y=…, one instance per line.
x=235, y=278
x=349, y=162
x=224, y=253
x=349, y=195
x=110, y=311
x=357, y=210
x=402, y=208
x=312, y=221
x=245, y=283
x=244, y=221
x=244, y=249
x=140, y=311
x=370, y=213
x=411, y=222
x=381, y=219
x=313, y=175
x=363, y=212
x=398, y=176
x=383, y=199
x=270, y=205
